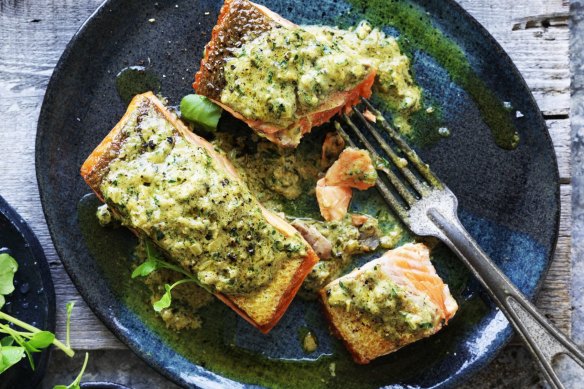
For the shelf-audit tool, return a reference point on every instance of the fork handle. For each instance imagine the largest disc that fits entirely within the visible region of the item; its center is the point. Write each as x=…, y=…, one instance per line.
x=543, y=340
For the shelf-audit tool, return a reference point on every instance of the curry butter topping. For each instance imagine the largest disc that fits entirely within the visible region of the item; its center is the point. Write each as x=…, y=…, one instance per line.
x=287, y=72
x=173, y=191
x=393, y=82
x=400, y=315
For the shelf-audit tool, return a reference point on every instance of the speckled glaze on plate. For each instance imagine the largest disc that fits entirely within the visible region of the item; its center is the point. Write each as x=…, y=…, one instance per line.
x=509, y=200
x=101, y=385
x=34, y=297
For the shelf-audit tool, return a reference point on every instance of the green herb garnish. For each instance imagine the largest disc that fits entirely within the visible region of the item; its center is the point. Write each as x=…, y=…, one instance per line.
x=76, y=383
x=154, y=262
x=8, y=267
x=200, y=110
x=19, y=339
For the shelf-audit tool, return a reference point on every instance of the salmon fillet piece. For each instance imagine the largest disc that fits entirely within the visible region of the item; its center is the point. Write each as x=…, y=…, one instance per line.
x=409, y=268
x=333, y=201
x=239, y=22
x=262, y=307
x=353, y=169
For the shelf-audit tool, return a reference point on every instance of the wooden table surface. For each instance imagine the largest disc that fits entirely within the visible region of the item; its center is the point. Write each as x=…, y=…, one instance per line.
x=33, y=35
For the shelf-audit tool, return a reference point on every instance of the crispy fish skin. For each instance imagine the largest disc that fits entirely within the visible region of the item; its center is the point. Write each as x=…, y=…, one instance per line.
x=239, y=22
x=264, y=307
x=409, y=266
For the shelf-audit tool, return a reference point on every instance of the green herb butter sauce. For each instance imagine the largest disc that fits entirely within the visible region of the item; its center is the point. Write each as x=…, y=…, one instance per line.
x=417, y=32
x=277, y=176
x=187, y=299
x=399, y=314
x=286, y=73
x=273, y=175
x=173, y=192
x=347, y=242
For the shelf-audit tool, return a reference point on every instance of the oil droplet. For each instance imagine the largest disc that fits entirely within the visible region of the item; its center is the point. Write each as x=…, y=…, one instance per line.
x=134, y=80
x=444, y=132
x=25, y=305
x=24, y=288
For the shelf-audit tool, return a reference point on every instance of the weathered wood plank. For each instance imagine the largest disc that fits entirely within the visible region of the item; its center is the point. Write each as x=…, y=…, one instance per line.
x=28, y=53
x=554, y=298
x=535, y=34
x=560, y=133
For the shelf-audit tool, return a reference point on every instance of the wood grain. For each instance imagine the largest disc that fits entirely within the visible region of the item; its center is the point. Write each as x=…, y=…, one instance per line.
x=535, y=34
x=34, y=34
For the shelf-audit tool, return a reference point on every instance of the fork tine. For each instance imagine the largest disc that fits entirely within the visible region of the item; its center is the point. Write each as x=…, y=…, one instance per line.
x=412, y=156
x=383, y=189
x=399, y=162
x=395, y=181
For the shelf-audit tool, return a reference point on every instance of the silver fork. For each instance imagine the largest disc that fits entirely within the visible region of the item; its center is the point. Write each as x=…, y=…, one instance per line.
x=429, y=208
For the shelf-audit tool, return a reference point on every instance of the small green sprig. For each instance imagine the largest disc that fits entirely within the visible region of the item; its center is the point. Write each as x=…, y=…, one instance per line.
x=77, y=382
x=24, y=340
x=21, y=339
x=154, y=262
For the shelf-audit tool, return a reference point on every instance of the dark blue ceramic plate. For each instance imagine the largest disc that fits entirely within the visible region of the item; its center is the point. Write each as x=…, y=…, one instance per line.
x=509, y=199
x=34, y=297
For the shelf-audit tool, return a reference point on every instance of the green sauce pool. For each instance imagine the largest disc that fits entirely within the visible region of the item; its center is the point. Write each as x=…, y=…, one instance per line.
x=416, y=27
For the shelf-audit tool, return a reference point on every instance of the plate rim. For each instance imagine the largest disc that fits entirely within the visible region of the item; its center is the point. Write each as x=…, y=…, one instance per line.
x=150, y=360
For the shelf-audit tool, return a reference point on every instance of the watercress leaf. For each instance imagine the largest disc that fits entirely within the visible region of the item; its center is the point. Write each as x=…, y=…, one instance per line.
x=9, y=356
x=200, y=110
x=2, y=301
x=30, y=347
x=7, y=341
x=145, y=268
x=8, y=266
x=164, y=301
x=42, y=339
x=59, y=387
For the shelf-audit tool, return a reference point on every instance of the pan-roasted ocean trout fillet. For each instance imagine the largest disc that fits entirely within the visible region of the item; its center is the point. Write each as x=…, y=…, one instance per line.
x=173, y=187
x=388, y=303
x=313, y=80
